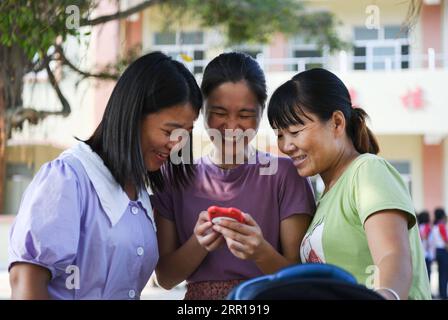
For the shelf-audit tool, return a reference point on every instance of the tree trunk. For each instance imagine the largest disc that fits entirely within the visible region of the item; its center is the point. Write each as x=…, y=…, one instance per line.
x=13, y=66
x=3, y=138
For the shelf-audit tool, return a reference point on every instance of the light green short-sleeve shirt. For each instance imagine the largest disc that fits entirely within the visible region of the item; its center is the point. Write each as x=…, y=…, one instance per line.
x=336, y=234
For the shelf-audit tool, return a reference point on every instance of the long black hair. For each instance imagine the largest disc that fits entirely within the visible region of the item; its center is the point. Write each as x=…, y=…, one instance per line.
x=235, y=67
x=151, y=83
x=322, y=93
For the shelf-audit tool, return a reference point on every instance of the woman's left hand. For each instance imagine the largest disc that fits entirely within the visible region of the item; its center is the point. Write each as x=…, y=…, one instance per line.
x=244, y=240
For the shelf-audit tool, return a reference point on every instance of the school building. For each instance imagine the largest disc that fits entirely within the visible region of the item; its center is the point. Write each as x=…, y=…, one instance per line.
x=399, y=76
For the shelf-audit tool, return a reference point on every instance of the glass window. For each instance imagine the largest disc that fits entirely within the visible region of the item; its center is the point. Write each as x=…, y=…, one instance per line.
x=387, y=48
x=164, y=38
x=405, y=54
x=15, y=169
x=187, y=47
x=192, y=37
x=308, y=63
x=404, y=168
x=198, y=55
x=395, y=32
x=362, y=33
x=380, y=55
x=18, y=177
x=307, y=53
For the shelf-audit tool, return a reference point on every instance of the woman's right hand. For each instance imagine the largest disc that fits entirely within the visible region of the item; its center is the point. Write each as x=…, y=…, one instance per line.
x=206, y=236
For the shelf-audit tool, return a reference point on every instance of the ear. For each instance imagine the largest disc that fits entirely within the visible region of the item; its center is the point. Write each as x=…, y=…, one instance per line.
x=338, y=123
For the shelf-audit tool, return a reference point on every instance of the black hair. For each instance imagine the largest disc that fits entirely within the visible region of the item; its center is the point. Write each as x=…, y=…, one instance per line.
x=439, y=214
x=151, y=83
x=423, y=217
x=235, y=67
x=320, y=92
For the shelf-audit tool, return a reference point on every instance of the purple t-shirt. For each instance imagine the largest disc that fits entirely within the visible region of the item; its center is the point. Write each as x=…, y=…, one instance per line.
x=267, y=198
x=62, y=225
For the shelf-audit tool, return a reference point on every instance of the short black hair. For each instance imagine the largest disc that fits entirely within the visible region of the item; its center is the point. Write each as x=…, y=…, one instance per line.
x=235, y=67
x=423, y=217
x=439, y=214
x=151, y=83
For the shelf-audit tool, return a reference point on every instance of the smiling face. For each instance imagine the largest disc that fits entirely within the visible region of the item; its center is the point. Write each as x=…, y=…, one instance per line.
x=312, y=146
x=156, y=129
x=232, y=106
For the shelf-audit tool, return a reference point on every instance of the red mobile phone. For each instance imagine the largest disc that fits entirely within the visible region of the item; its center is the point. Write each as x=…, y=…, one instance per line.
x=216, y=213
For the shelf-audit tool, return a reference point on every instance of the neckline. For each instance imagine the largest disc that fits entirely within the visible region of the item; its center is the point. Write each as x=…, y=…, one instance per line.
x=216, y=170
x=342, y=176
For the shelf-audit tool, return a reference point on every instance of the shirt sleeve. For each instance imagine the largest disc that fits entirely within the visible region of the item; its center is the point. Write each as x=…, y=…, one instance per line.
x=296, y=194
x=162, y=203
x=378, y=186
x=442, y=230
x=47, y=227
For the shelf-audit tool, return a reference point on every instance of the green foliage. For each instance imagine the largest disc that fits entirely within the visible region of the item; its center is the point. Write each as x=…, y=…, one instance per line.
x=35, y=25
x=255, y=21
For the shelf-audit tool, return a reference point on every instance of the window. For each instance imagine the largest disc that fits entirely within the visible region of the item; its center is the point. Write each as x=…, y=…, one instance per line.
x=188, y=47
x=386, y=48
x=404, y=168
x=254, y=50
x=18, y=177
x=165, y=38
x=306, y=55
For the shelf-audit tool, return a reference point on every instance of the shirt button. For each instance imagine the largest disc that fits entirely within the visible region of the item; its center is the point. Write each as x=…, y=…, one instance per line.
x=140, y=251
x=131, y=294
x=134, y=210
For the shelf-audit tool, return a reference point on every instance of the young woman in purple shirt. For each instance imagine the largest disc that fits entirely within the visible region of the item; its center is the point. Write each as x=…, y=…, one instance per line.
x=85, y=226
x=278, y=204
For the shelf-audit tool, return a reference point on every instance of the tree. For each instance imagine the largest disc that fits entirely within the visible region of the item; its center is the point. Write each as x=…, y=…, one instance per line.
x=32, y=34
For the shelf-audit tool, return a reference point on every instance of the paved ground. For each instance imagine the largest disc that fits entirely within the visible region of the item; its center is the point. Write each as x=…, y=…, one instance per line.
x=149, y=293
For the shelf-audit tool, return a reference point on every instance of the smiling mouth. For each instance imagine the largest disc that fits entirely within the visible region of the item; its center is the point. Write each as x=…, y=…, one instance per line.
x=162, y=156
x=299, y=159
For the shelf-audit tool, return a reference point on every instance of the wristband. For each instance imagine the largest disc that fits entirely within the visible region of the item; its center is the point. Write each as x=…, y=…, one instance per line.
x=393, y=292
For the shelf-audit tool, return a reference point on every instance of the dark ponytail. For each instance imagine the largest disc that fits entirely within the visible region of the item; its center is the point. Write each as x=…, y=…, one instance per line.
x=363, y=139
x=322, y=93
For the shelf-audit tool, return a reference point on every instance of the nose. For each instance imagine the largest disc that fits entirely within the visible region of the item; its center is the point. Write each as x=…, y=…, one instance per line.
x=231, y=124
x=288, y=145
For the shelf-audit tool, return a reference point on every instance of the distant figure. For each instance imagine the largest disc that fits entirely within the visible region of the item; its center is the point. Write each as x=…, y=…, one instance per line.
x=424, y=226
x=439, y=234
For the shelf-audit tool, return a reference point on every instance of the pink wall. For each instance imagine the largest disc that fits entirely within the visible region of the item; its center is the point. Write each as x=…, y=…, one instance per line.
x=431, y=19
x=433, y=176
x=277, y=50
x=106, y=46
x=133, y=33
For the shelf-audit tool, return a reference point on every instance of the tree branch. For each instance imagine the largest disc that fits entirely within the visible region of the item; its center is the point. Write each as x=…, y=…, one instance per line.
x=120, y=14
x=102, y=75
x=65, y=105
x=17, y=117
